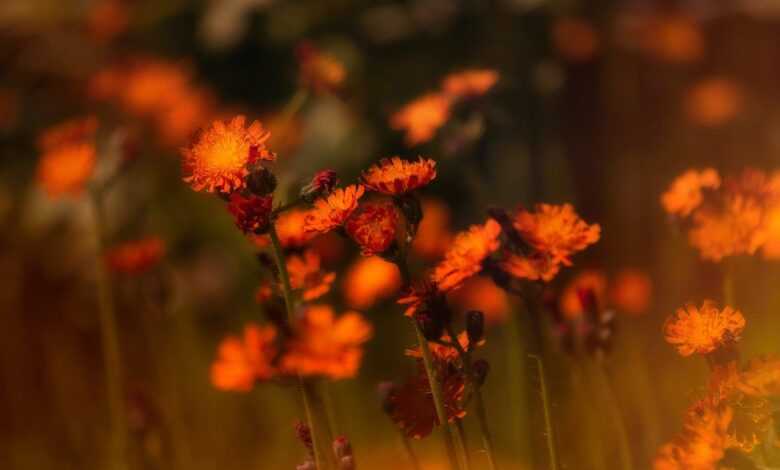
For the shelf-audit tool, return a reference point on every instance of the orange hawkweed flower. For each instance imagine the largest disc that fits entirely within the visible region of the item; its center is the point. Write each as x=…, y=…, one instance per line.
x=394, y=176
x=570, y=303
x=480, y=293
x=368, y=280
x=703, y=330
x=465, y=256
x=534, y=267
x=556, y=230
x=713, y=102
x=673, y=38
x=736, y=228
x=469, y=83
x=318, y=70
x=373, y=227
x=218, y=160
x=333, y=210
x=135, y=257
x=631, y=291
x=761, y=377
x=306, y=274
x=686, y=192
x=290, y=228
x=325, y=345
x=68, y=157
x=243, y=361
x=433, y=234
x=422, y=118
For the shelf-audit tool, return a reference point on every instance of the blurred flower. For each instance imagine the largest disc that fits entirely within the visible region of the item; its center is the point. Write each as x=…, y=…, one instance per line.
x=685, y=193
x=73, y=131
x=703, y=330
x=218, y=160
x=556, y=230
x=630, y=291
x=592, y=282
x=373, y=227
x=673, y=38
x=480, y=293
x=68, y=157
x=537, y=266
x=325, y=345
x=306, y=274
x=575, y=39
x=433, y=235
x=242, y=361
x=107, y=19
x=761, y=377
x=135, y=257
x=331, y=211
x=422, y=118
x=737, y=228
x=395, y=177
x=290, y=228
x=252, y=214
x=713, y=101
x=469, y=83
x=264, y=293
x=368, y=280
x=464, y=258
x=319, y=71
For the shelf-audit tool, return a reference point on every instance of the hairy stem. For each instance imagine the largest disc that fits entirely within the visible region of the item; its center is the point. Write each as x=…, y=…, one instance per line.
x=548, y=427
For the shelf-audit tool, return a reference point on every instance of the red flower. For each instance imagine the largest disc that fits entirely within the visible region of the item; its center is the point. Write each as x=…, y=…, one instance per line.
x=373, y=227
x=252, y=214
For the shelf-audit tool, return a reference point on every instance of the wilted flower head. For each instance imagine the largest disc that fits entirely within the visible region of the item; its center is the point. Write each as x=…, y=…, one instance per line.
x=469, y=83
x=251, y=213
x=395, y=177
x=686, y=192
x=243, y=361
x=307, y=275
x=422, y=118
x=218, y=159
x=368, y=280
x=556, y=230
x=703, y=330
x=319, y=71
x=326, y=345
x=373, y=227
x=68, y=157
x=137, y=256
x=333, y=210
x=465, y=257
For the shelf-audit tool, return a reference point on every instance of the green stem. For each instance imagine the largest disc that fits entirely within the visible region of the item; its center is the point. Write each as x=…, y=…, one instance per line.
x=110, y=342
x=548, y=427
x=608, y=395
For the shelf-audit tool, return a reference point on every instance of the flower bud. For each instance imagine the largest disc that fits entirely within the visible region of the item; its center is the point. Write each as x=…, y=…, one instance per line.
x=322, y=184
x=481, y=368
x=475, y=326
x=261, y=181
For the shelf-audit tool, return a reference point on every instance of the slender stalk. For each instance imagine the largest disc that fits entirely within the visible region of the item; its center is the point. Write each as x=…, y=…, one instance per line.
x=548, y=427
x=312, y=405
x=464, y=443
x=410, y=452
x=110, y=342
x=608, y=394
x=729, y=292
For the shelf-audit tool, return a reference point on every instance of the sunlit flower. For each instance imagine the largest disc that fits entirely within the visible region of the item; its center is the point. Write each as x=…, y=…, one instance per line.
x=686, y=192
x=464, y=258
x=318, y=70
x=332, y=211
x=433, y=234
x=556, y=230
x=326, y=345
x=713, y=102
x=482, y=294
x=422, y=118
x=575, y=39
x=251, y=213
x=137, y=256
x=243, y=361
x=394, y=176
x=468, y=83
x=369, y=280
x=373, y=227
x=536, y=266
x=592, y=281
x=68, y=157
x=703, y=330
x=630, y=291
x=736, y=228
x=218, y=160
x=307, y=275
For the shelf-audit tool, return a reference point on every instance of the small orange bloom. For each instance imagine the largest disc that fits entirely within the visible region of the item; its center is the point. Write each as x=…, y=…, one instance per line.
x=318, y=70
x=674, y=38
x=685, y=193
x=469, y=83
x=556, y=230
x=481, y=293
x=422, y=118
x=394, y=176
x=713, y=102
x=333, y=210
x=631, y=291
x=149, y=86
x=433, y=234
x=368, y=280
x=325, y=345
x=68, y=157
x=373, y=227
x=570, y=302
x=575, y=39
x=218, y=160
x=737, y=228
x=703, y=330
x=306, y=274
x=465, y=256
x=243, y=361
x=534, y=267
x=136, y=257
x=290, y=228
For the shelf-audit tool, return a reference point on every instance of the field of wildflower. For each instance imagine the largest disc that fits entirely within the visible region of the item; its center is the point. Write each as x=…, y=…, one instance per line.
x=396, y=235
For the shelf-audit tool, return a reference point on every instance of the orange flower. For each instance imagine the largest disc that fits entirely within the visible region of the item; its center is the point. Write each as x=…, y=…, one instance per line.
x=703, y=330
x=761, y=377
x=290, y=228
x=433, y=234
x=630, y=291
x=368, y=280
x=416, y=297
x=737, y=228
x=318, y=70
x=107, y=19
x=713, y=102
x=556, y=230
x=465, y=256
x=480, y=293
x=575, y=39
x=394, y=176
x=264, y=293
x=534, y=267
x=422, y=118
x=73, y=131
x=570, y=302
x=306, y=274
x=685, y=193
x=135, y=257
x=242, y=361
x=373, y=227
x=68, y=157
x=252, y=214
x=469, y=83
x=674, y=38
x=325, y=345
x=331, y=211
x=218, y=160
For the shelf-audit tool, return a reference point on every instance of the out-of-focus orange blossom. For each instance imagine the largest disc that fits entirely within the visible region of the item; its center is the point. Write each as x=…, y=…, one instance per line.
x=631, y=291
x=368, y=280
x=307, y=275
x=685, y=193
x=482, y=294
x=319, y=71
x=673, y=38
x=422, y=118
x=433, y=234
x=556, y=230
x=469, y=83
x=570, y=303
x=738, y=228
x=713, y=101
x=107, y=19
x=466, y=254
x=575, y=39
x=703, y=330
x=243, y=361
x=136, y=257
x=68, y=157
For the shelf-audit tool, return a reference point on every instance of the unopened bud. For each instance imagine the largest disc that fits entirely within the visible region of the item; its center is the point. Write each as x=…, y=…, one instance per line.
x=261, y=181
x=475, y=326
x=432, y=327
x=322, y=184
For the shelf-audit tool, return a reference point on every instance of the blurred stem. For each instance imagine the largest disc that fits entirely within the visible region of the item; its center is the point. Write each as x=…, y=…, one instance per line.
x=548, y=427
x=729, y=292
x=464, y=442
x=608, y=395
x=110, y=340
x=409, y=451
x=312, y=404
x=290, y=110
